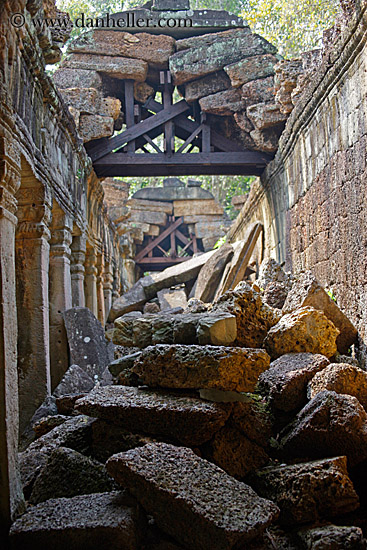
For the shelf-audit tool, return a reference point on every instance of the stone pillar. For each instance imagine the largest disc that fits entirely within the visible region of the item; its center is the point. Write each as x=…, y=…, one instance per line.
x=107, y=288
x=60, y=292
x=78, y=248
x=11, y=496
x=100, y=287
x=90, y=283
x=32, y=264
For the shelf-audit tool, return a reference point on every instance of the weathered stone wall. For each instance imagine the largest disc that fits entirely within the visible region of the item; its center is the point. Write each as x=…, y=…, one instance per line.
x=58, y=247
x=312, y=197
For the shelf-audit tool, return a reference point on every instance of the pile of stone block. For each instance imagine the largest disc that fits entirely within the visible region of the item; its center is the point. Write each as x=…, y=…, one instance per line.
x=257, y=443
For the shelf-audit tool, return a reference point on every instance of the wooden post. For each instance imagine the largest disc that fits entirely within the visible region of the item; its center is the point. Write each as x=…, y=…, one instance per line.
x=129, y=111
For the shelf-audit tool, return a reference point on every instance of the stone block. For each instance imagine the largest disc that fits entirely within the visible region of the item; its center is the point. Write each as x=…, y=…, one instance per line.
x=196, y=207
x=148, y=217
x=341, y=378
x=217, y=329
x=305, y=330
x=243, y=121
x=133, y=300
x=95, y=127
x=123, y=363
x=189, y=505
x=142, y=91
x=111, y=520
x=149, y=205
x=68, y=474
x=116, y=67
x=265, y=115
x=170, y=193
x=87, y=343
x=155, y=49
x=254, y=317
x=251, y=68
x=332, y=537
x=208, y=39
x=204, y=59
x=77, y=78
x=266, y=140
x=172, y=297
x=208, y=85
x=75, y=380
x=188, y=420
x=306, y=291
x=285, y=382
x=211, y=273
x=309, y=491
x=223, y=103
x=110, y=107
x=258, y=91
x=196, y=367
x=215, y=229
x=231, y=450
x=85, y=100
x=329, y=425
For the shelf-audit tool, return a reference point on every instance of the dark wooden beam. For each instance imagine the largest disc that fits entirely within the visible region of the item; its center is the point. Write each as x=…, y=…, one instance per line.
x=124, y=164
x=138, y=130
x=159, y=239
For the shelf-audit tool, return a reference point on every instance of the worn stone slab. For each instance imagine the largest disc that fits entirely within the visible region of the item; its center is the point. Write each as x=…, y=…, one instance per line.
x=75, y=380
x=285, y=382
x=332, y=537
x=77, y=78
x=69, y=473
x=95, y=127
x=254, y=317
x=155, y=49
x=329, y=425
x=199, y=367
x=265, y=115
x=258, y=91
x=172, y=297
x=146, y=216
x=266, y=140
x=208, y=85
x=196, y=207
x=211, y=273
x=208, y=39
x=171, y=193
x=188, y=420
x=86, y=100
x=309, y=491
x=341, y=378
x=87, y=343
x=231, y=450
x=251, y=68
x=223, y=103
x=197, y=62
x=192, y=500
x=217, y=329
x=101, y=520
x=305, y=330
x=133, y=300
x=116, y=67
x=306, y=291
x=74, y=433
x=156, y=206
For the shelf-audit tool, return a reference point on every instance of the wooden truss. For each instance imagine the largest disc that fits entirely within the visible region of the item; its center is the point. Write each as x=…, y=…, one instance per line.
x=169, y=248
x=126, y=154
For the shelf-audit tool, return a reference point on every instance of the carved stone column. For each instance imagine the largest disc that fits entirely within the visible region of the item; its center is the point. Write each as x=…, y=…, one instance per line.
x=60, y=292
x=90, y=283
x=107, y=288
x=100, y=288
x=11, y=496
x=32, y=264
x=78, y=247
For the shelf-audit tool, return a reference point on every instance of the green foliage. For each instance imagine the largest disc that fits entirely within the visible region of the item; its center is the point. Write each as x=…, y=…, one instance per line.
x=294, y=26
x=330, y=293
x=220, y=242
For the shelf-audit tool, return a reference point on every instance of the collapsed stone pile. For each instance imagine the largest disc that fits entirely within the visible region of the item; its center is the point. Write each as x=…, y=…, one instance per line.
x=256, y=440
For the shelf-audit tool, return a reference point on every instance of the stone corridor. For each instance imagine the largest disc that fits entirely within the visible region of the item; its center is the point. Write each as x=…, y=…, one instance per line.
x=220, y=403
